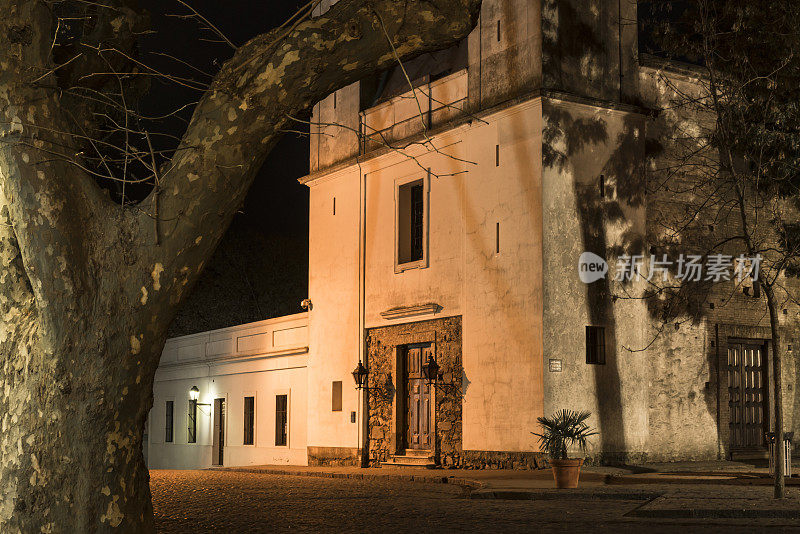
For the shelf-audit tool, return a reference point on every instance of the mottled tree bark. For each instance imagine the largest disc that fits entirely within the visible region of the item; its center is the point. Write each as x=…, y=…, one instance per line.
x=88, y=288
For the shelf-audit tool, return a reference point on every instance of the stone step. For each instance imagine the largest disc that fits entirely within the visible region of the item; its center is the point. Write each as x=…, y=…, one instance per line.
x=410, y=461
x=417, y=452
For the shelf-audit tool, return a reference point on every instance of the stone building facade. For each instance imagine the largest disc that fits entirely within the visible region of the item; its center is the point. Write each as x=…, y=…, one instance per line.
x=544, y=101
x=446, y=225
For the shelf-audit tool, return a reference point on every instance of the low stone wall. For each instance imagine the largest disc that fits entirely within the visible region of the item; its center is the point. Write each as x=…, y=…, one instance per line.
x=333, y=457
x=501, y=460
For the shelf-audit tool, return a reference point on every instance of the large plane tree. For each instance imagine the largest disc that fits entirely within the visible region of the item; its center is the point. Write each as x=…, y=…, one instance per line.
x=89, y=285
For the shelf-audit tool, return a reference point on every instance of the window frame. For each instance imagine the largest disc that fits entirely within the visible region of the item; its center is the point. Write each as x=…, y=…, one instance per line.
x=191, y=427
x=282, y=393
x=598, y=355
x=334, y=397
x=252, y=422
x=169, y=416
x=423, y=262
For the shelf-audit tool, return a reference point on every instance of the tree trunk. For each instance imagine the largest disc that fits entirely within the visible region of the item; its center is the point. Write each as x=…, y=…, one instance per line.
x=777, y=384
x=88, y=288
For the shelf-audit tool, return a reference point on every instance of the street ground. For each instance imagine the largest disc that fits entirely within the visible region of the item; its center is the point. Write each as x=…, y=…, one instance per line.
x=332, y=500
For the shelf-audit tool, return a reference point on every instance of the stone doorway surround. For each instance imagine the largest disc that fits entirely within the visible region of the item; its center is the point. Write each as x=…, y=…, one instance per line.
x=384, y=350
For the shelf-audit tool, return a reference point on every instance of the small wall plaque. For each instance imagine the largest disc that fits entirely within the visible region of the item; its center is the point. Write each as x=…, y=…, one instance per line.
x=555, y=366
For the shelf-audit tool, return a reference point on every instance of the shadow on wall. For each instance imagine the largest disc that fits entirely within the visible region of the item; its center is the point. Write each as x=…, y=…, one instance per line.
x=573, y=52
x=567, y=137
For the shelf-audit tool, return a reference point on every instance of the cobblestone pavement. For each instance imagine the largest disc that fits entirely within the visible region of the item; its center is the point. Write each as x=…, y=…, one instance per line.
x=234, y=502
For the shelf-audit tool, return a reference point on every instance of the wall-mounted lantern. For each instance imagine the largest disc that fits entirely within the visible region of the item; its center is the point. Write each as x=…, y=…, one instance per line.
x=360, y=376
x=194, y=394
x=430, y=370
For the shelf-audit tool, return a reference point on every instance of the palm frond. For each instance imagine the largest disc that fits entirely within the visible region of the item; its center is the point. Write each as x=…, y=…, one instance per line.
x=563, y=430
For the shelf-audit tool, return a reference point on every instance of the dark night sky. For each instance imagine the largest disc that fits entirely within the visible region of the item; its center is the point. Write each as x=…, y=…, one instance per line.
x=261, y=267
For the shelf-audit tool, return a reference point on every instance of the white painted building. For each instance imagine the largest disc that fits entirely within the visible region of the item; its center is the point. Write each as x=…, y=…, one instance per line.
x=252, y=384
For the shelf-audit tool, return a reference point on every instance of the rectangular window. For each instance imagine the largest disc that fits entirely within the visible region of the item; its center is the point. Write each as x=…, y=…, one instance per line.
x=411, y=222
x=192, y=430
x=168, y=422
x=249, y=420
x=595, y=345
x=281, y=420
x=336, y=396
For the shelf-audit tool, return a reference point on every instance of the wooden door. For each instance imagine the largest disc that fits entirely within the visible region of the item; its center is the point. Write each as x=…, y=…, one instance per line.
x=418, y=398
x=219, y=432
x=747, y=396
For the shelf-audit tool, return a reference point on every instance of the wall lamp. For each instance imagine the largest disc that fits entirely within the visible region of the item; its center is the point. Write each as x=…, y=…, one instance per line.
x=360, y=374
x=194, y=394
x=430, y=370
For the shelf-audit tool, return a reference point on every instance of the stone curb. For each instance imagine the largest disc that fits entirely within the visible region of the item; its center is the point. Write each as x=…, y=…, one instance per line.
x=547, y=495
x=429, y=479
x=624, y=480
x=699, y=513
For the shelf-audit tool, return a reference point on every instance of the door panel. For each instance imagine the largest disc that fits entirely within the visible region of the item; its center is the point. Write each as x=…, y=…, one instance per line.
x=218, y=439
x=747, y=396
x=418, y=400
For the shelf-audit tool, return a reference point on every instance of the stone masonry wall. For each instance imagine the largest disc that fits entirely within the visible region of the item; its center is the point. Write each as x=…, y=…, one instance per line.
x=385, y=425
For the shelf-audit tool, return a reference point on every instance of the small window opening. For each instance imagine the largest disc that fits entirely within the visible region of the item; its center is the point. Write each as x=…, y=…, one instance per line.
x=595, y=345
x=168, y=421
x=602, y=186
x=334, y=100
x=497, y=239
x=336, y=396
x=497, y=155
x=334, y=205
x=192, y=427
x=281, y=420
x=411, y=222
x=498, y=31
x=249, y=420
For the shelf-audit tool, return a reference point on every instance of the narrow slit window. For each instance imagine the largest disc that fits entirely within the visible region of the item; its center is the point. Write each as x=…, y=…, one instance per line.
x=168, y=421
x=281, y=420
x=602, y=186
x=334, y=100
x=595, y=345
x=411, y=222
x=249, y=420
x=497, y=155
x=334, y=205
x=336, y=396
x=497, y=239
x=498, y=31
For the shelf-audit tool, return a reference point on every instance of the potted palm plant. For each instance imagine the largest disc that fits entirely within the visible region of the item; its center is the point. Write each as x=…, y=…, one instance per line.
x=560, y=432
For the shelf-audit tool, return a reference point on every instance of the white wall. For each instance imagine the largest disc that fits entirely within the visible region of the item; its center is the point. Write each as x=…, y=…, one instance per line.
x=261, y=359
x=333, y=288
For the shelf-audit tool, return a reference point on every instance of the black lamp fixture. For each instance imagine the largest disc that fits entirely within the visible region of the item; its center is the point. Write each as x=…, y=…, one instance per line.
x=360, y=376
x=430, y=370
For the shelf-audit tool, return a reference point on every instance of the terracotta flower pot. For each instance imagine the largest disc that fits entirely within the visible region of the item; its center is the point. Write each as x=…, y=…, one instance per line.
x=566, y=472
